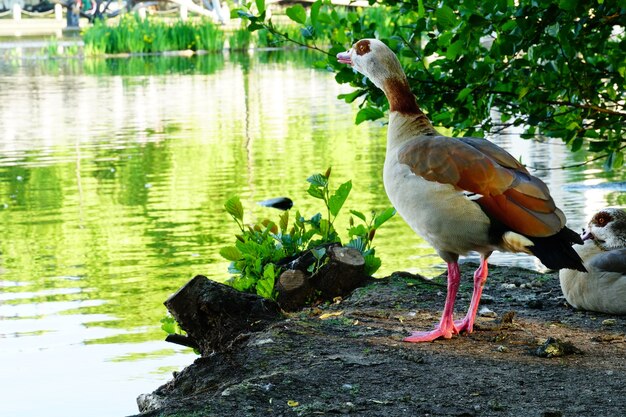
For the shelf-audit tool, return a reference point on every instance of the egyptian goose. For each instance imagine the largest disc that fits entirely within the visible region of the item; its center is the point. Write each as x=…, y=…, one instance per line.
x=459, y=194
x=603, y=288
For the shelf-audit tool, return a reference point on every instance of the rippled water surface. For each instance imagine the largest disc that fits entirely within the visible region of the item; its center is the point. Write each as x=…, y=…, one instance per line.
x=113, y=175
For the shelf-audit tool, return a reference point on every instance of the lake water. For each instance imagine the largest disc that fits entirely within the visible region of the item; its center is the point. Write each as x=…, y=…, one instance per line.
x=113, y=175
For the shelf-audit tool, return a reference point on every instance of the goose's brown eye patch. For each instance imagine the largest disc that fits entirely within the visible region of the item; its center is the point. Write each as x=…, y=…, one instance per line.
x=601, y=219
x=362, y=47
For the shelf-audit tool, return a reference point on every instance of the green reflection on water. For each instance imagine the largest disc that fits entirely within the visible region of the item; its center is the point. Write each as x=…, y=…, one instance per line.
x=115, y=185
x=114, y=173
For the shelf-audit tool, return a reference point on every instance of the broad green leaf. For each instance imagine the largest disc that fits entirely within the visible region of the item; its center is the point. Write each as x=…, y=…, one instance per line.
x=522, y=92
x=357, y=243
x=577, y=143
x=315, y=192
x=368, y=113
x=335, y=202
x=359, y=230
x=234, y=208
x=372, y=264
x=230, y=253
x=359, y=215
x=446, y=18
x=324, y=227
x=384, y=216
x=260, y=5
x=297, y=13
x=318, y=253
x=284, y=221
x=317, y=180
x=350, y=97
x=315, y=11
x=265, y=287
x=455, y=49
x=568, y=5
x=421, y=11
x=464, y=93
x=169, y=325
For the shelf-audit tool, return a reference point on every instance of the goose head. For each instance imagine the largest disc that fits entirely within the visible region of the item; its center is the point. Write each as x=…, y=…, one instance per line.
x=607, y=229
x=373, y=59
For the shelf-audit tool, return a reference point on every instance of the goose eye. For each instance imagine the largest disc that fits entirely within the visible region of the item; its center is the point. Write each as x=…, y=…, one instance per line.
x=601, y=219
x=362, y=47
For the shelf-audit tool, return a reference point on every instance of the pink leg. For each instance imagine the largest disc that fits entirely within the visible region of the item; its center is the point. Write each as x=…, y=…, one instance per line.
x=480, y=276
x=446, y=326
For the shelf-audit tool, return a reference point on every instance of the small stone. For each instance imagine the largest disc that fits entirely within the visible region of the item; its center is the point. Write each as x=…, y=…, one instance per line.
x=486, y=299
x=502, y=349
x=507, y=318
x=554, y=348
x=495, y=405
x=485, y=312
x=609, y=322
x=508, y=286
x=535, y=304
x=552, y=413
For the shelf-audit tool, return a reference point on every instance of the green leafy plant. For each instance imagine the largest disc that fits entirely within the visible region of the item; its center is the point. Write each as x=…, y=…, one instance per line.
x=258, y=248
x=552, y=68
x=133, y=34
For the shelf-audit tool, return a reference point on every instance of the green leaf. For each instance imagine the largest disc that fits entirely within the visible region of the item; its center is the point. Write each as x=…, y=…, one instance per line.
x=335, y=202
x=234, y=208
x=421, y=11
x=384, y=216
x=315, y=192
x=318, y=253
x=230, y=253
x=260, y=5
x=315, y=11
x=372, y=264
x=265, y=286
x=359, y=215
x=350, y=97
x=568, y=5
x=577, y=143
x=324, y=227
x=446, y=18
x=359, y=230
x=297, y=13
x=464, y=93
x=169, y=325
x=598, y=146
x=284, y=221
x=357, y=243
x=368, y=113
x=455, y=49
x=318, y=180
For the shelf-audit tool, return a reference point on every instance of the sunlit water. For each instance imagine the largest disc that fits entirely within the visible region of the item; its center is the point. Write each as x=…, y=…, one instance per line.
x=113, y=175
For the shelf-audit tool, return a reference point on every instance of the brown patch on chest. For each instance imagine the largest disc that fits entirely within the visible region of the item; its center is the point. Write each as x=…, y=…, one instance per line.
x=400, y=97
x=362, y=47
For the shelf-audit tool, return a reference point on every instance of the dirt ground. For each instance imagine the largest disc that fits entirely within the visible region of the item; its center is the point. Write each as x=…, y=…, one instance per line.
x=348, y=358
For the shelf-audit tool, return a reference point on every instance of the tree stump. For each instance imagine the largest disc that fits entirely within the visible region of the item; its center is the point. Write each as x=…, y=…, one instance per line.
x=214, y=314
x=343, y=270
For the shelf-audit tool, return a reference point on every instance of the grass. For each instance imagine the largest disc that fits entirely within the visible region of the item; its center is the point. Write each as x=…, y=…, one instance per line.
x=133, y=34
x=136, y=35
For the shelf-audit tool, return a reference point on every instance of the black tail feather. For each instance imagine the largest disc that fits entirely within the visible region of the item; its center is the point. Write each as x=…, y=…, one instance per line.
x=556, y=251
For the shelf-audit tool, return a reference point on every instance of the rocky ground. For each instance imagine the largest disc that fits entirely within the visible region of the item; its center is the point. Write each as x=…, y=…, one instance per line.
x=348, y=358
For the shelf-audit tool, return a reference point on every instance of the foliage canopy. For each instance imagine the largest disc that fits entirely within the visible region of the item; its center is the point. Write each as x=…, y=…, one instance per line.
x=555, y=68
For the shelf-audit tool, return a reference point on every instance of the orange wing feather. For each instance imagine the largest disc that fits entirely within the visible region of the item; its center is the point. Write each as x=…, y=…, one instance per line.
x=509, y=193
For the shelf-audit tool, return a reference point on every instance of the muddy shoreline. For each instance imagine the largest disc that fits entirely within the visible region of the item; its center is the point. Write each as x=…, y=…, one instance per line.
x=348, y=358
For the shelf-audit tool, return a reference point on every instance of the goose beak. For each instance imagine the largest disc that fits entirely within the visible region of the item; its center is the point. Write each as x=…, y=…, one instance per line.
x=344, y=58
x=586, y=235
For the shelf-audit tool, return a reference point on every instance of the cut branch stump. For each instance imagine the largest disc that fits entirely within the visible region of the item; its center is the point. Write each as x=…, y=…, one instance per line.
x=214, y=314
